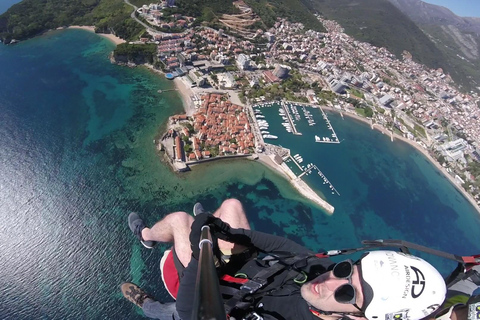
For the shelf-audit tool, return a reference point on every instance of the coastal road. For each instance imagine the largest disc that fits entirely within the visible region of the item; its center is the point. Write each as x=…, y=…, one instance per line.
x=149, y=29
x=138, y=20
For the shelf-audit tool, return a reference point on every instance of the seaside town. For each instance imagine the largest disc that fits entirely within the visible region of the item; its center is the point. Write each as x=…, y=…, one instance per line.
x=228, y=71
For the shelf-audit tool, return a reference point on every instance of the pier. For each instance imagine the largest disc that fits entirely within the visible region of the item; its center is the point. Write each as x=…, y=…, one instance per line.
x=326, y=181
x=334, y=138
x=311, y=167
x=294, y=161
x=166, y=90
x=308, y=170
x=289, y=116
x=296, y=182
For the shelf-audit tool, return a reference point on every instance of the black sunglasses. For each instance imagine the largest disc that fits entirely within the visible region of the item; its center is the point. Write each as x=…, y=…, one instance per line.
x=346, y=293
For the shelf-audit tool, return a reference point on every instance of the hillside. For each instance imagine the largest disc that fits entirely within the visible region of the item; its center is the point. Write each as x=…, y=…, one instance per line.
x=32, y=17
x=381, y=24
x=293, y=10
x=457, y=37
x=439, y=39
x=425, y=13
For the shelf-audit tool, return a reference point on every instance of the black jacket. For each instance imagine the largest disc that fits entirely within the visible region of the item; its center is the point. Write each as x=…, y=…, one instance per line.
x=285, y=302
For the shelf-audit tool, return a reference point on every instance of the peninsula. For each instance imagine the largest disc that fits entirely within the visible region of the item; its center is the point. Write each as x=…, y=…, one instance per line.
x=235, y=58
x=418, y=105
x=219, y=129
x=329, y=69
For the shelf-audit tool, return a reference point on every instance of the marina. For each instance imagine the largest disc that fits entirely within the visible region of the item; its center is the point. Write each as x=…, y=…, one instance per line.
x=292, y=116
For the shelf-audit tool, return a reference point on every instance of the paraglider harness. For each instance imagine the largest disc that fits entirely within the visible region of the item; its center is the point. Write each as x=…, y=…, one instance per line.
x=243, y=300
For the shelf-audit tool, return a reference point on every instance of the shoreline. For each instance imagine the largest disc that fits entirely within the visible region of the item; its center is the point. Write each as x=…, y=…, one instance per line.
x=419, y=148
x=182, y=89
x=185, y=94
x=189, y=108
x=113, y=38
x=298, y=184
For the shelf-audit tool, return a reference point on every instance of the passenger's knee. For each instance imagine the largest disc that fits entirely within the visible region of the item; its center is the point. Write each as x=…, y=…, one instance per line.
x=179, y=218
x=232, y=204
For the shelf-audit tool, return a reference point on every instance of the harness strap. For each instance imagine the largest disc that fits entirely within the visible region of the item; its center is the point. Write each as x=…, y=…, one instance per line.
x=259, y=281
x=475, y=259
x=231, y=279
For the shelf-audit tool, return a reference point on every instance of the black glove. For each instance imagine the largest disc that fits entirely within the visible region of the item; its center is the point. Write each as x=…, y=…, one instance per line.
x=217, y=227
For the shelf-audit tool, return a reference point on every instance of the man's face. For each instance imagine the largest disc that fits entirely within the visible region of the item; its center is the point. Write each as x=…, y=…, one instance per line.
x=320, y=292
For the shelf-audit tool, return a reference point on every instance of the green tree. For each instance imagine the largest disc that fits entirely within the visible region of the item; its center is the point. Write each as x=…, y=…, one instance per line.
x=368, y=112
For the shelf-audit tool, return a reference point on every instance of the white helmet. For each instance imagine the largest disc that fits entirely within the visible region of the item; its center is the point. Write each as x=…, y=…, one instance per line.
x=397, y=286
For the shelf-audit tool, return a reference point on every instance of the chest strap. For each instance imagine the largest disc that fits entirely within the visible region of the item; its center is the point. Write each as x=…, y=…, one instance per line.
x=260, y=280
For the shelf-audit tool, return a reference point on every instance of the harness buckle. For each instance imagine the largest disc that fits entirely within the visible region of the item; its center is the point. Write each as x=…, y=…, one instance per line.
x=253, y=316
x=253, y=285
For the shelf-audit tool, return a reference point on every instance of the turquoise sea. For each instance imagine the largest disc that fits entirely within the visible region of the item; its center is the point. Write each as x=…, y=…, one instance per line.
x=77, y=156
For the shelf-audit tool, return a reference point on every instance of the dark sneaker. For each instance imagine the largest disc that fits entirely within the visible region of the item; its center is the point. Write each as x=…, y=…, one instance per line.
x=198, y=209
x=135, y=223
x=134, y=293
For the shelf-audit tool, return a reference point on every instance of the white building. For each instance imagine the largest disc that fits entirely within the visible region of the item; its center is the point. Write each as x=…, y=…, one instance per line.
x=453, y=150
x=281, y=71
x=243, y=61
x=226, y=80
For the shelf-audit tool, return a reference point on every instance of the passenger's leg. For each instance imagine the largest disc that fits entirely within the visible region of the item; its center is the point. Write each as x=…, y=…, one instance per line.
x=157, y=310
x=231, y=211
x=175, y=228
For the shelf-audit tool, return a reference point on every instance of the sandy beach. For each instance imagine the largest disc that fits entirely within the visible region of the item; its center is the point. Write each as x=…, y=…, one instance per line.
x=185, y=94
x=113, y=38
x=416, y=146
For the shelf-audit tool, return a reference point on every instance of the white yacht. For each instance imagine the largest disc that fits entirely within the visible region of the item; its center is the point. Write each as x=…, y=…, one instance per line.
x=269, y=136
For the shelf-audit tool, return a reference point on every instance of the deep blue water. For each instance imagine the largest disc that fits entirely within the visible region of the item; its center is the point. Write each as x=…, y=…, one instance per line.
x=5, y=4
x=77, y=156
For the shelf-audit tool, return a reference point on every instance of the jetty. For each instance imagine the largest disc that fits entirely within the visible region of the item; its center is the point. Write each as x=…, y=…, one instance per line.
x=306, y=171
x=166, y=90
x=289, y=117
x=312, y=167
x=334, y=138
x=326, y=181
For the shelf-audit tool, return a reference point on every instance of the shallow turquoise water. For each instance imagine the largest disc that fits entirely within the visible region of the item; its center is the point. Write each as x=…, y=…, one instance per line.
x=77, y=156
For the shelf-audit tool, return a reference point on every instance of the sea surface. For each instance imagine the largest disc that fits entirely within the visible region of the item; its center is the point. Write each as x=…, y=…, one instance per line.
x=5, y=4
x=77, y=156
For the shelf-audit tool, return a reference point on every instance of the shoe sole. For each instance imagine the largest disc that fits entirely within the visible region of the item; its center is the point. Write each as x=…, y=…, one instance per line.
x=197, y=212
x=133, y=216
x=126, y=287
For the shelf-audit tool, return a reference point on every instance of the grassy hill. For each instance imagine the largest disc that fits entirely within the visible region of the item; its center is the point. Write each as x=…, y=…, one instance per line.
x=32, y=17
x=293, y=10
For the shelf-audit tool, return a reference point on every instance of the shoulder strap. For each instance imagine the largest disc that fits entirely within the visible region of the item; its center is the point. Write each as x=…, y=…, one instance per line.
x=259, y=281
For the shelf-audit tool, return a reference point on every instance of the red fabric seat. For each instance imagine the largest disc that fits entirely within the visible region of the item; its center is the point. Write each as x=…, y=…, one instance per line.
x=169, y=274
